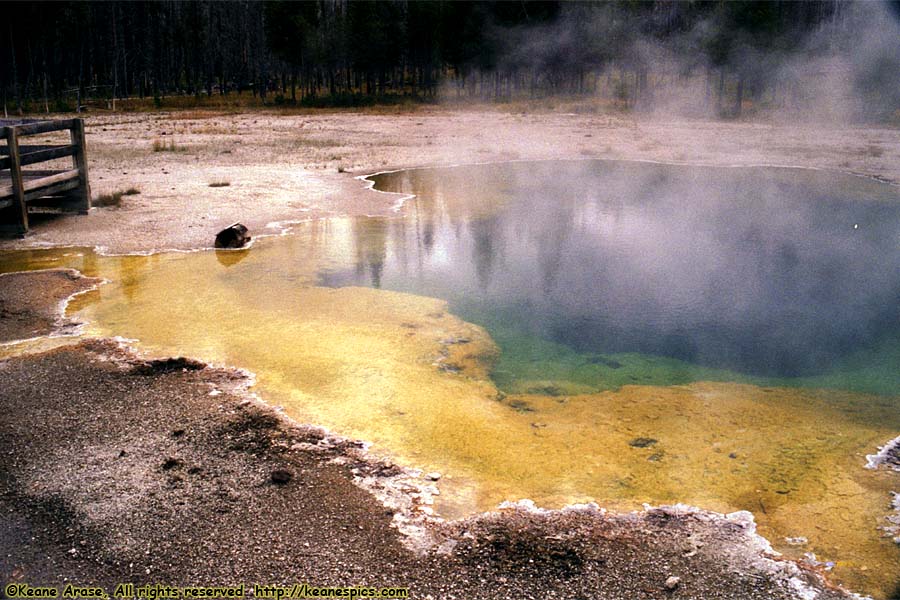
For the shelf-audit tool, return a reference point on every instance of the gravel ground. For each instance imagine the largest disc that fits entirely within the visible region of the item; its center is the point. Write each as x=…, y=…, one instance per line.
x=117, y=469
x=31, y=303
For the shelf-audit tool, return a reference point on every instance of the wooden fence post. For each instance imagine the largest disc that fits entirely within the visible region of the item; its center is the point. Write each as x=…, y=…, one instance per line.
x=80, y=163
x=18, y=186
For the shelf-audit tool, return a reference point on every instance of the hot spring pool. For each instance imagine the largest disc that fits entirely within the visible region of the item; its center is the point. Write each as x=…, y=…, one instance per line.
x=570, y=331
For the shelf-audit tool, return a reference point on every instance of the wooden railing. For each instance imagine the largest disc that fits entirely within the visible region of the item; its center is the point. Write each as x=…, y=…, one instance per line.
x=63, y=190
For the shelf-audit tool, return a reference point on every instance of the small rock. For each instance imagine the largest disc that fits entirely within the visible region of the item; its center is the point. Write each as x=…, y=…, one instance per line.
x=169, y=365
x=672, y=582
x=796, y=541
x=606, y=362
x=642, y=442
x=433, y=476
x=520, y=406
x=546, y=390
x=281, y=476
x=233, y=236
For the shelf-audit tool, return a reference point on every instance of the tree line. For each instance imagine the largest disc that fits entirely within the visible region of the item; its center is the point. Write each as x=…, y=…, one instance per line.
x=58, y=55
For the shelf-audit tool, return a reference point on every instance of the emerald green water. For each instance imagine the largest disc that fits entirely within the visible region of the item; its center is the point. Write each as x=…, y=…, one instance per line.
x=527, y=364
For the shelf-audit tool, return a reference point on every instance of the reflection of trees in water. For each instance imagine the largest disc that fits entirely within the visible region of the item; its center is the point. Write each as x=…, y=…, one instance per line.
x=370, y=237
x=89, y=264
x=430, y=196
x=724, y=267
x=423, y=215
x=399, y=248
x=551, y=241
x=487, y=237
x=131, y=272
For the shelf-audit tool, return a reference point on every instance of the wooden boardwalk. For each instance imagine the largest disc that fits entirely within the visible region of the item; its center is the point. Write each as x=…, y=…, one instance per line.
x=65, y=190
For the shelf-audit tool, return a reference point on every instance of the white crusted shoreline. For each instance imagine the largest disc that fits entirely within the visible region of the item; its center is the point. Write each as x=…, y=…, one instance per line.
x=887, y=455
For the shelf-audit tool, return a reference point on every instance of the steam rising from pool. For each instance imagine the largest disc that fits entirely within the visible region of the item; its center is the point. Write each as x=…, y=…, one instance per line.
x=773, y=274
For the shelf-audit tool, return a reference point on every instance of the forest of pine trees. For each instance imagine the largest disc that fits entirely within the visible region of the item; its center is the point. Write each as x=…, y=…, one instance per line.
x=58, y=56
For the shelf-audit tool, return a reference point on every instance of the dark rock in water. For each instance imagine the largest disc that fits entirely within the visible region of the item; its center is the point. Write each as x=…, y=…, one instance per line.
x=520, y=406
x=606, y=362
x=169, y=365
x=281, y=476
x=233, y=236
x=642, y=442
x=545, y=390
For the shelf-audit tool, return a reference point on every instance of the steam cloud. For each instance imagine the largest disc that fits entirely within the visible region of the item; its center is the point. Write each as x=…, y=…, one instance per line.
x=845, y=68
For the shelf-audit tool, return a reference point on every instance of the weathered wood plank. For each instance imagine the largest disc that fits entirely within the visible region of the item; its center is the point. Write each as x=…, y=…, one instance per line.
x=59, y=201
x=19, y=210
x=56, y=188
x=33, y=184
x=80, y=162
x=6, y=186
x=46, y=126
x=23, y=148
x=36, y=184
x=32, y=173
x=29, y=155
x=18, y=121
x=30, y=158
